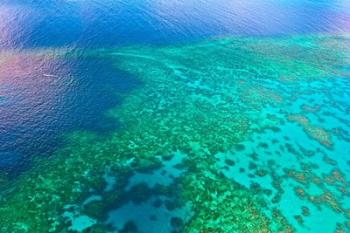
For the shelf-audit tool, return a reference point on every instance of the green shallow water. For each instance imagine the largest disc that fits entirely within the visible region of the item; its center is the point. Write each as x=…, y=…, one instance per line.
x=226, y=135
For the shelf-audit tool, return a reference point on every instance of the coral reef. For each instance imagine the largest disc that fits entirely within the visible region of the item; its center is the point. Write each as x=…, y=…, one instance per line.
x=208, y=142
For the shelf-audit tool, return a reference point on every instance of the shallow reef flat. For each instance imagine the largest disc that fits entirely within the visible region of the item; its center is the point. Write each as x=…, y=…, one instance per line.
x=225, y=135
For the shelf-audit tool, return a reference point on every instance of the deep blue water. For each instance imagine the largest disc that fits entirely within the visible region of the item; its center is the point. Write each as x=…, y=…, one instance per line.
x=52, y=98
x=37, y=23
x=43, y=98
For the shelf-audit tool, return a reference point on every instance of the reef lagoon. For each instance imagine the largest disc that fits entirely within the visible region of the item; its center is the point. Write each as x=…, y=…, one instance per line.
x=243, y=128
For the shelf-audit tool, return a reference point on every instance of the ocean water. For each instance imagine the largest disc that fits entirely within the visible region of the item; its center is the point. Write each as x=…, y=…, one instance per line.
x=177, y=116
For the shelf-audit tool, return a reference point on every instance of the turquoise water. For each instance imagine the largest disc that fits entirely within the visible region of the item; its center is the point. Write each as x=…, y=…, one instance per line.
x=146, y=116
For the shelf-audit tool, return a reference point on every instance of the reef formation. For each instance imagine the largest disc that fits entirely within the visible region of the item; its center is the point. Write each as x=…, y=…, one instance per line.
x=225, y=135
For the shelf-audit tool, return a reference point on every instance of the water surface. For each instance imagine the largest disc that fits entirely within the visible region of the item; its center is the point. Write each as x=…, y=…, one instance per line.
x=177, y=116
